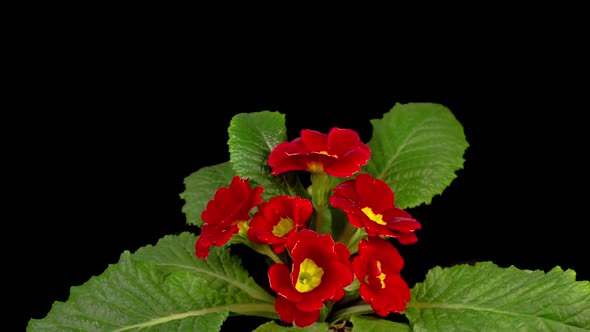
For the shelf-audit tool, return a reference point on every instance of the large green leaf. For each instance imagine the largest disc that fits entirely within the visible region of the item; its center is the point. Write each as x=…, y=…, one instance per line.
x=157, y=290
x=368, y=324
x=200, y=187
x=252, y=136
x=485, y=297
x=222, y=270
x=416, y=148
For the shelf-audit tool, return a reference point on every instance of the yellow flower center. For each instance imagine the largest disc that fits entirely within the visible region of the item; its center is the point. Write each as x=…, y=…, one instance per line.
x=315, y=167
x=283, y=227
x=325, y=153
x=242, y=225
x=381, y=275
x=378, y=218
x=310, y=276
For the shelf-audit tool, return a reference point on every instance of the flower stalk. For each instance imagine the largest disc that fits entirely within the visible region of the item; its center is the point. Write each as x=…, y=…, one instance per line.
x=359, y=309
x=320, y=189
x=266, y=250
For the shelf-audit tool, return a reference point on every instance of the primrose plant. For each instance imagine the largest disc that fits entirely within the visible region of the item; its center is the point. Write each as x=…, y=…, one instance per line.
x=325, y=212
x=311, y=269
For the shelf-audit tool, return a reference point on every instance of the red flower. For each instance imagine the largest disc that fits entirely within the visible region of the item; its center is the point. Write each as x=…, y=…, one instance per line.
x=229, y=208
x=377, y=266
x=320, y=271
x=340, y=153
x=277, y=219
x=368, y=203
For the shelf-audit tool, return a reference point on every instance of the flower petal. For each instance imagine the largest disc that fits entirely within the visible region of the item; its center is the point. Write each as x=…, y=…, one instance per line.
x=279, y=278
x=310, y=301
x=340, y=153
x=377, y=266
x=320, y=270
x=314, y=140
x=285, y=308
x=349, y=164
x=368, y=203
x=373, y=193
x=288, y=156
x=201, y=251
x=306, y=318
x=229, y=207
x=341, y=141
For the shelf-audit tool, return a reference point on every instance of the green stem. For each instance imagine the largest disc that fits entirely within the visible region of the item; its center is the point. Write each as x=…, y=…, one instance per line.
x=354, y=310
x=320, y=188
x=349, y=233
x=319, y=219
x=267, y=250
x=264, y=249
x=325, y=312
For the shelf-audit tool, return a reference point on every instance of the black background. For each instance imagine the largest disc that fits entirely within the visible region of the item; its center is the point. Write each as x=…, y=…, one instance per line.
x=104, y=133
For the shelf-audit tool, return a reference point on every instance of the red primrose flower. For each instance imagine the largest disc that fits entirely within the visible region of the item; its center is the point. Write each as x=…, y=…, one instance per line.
x=340, y=153
x=278, y=218
x=229, y=208
x=369, y=203
x=320, y=271
x=377, y=266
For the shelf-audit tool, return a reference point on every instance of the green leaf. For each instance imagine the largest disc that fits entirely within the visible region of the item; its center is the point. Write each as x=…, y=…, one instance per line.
x=487, y=297
x=367, y=323
x=252, y=136
x=222, y=270
x=200, y=187
x=274, y=327
x=133, y=296
x=416, y=148
x=141, y=292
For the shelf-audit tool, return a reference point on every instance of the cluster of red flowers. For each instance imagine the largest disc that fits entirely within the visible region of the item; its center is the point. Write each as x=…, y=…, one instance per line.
x=319, y=267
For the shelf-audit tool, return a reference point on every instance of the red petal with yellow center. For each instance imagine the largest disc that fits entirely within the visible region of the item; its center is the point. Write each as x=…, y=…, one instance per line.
x=279, y=277
x=276, y=219
x=373, y=193
x=324, y=259
x=229, y=207
x=377, y=266
x=340, y=153
x=232, y=204
x=369, y=203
